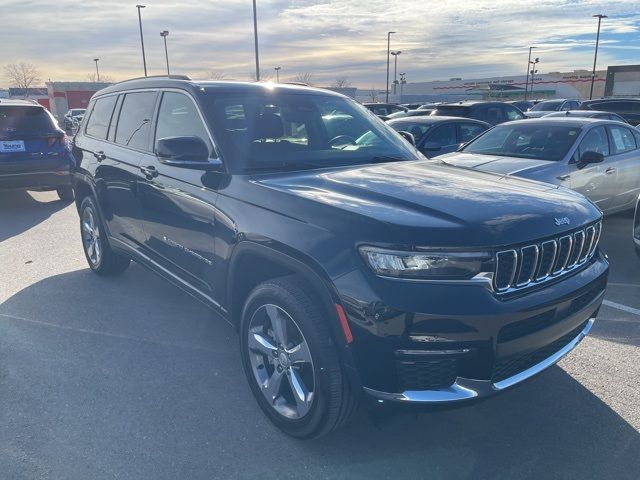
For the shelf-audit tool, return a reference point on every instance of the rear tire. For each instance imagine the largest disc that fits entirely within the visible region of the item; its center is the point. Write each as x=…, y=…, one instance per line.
x=101, y=259
x=65, y=193
x=301, y=357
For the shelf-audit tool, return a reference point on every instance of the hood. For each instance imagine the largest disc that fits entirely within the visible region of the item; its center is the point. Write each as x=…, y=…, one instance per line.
x=432, y=203
x=522, y=167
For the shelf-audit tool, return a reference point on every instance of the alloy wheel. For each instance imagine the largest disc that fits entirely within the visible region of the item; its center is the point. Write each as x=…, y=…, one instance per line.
x=91, y=237
x=281, y=361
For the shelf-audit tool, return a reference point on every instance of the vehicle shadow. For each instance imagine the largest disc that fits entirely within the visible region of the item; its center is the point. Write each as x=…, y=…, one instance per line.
x=131, y=378
x=19, y=211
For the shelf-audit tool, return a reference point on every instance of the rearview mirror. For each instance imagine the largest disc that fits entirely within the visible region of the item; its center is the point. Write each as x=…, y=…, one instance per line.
x=185, y=152
x=591, y=157
x=408, y=137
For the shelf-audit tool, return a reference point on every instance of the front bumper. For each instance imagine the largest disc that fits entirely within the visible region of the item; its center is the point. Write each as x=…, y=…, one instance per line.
x=435, y=343
x=468, y=389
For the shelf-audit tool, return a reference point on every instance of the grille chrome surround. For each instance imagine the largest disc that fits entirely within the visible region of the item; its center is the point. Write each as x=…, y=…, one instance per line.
x=532, y=264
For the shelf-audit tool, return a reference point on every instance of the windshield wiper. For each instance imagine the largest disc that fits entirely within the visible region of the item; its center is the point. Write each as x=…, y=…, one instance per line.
x=284, y=167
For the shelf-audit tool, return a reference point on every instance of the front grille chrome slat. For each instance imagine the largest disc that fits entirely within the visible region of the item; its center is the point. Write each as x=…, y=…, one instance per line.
x=518, y=268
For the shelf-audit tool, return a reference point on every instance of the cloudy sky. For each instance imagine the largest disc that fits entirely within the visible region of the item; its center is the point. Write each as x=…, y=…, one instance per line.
x=326, y=38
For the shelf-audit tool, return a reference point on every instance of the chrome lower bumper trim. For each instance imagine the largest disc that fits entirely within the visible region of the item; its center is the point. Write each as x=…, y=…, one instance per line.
x=467, y=388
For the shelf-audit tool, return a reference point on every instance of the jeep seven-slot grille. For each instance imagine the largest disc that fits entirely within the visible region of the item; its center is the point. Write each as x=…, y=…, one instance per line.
x=531, y=264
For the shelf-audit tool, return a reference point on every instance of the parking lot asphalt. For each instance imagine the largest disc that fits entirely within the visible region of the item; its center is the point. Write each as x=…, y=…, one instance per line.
x=130, y=378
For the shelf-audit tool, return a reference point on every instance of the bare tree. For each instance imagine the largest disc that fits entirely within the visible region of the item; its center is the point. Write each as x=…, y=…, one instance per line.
x=92, y=77
x=215, y=75
x=341, y=82
x=303, y=77
x=22, y=75
x=373, y=95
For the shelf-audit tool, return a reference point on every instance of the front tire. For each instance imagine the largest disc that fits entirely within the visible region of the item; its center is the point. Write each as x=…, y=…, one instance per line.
x=291, y=362
x=101, y=259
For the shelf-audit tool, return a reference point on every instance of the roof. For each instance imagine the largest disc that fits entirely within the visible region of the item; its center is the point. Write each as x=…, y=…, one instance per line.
x=565, y=121
x=577, y=113
x=14, y=102
x=428, y=119
x=600, y=100
x=185, y=83
x=468, y=103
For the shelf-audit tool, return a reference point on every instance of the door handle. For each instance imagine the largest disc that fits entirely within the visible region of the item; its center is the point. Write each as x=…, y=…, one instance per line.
x=149, y=172
x=610, y=170
x=563, y=177
x=100, y=155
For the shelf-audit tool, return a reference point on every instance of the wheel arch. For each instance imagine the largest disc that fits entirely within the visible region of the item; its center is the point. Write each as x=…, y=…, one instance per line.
x=253, y=263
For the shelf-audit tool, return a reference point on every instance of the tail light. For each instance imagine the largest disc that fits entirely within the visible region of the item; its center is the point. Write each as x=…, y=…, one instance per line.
x=61, y=139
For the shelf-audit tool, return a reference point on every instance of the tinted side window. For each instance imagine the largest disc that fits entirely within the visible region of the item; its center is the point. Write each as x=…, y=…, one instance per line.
x=621, y=140
x=469, y=131
x=595, y=141
x=494, y=115
x=134, y=122
x=98, y=124
x=179, y=117
x=443, y=135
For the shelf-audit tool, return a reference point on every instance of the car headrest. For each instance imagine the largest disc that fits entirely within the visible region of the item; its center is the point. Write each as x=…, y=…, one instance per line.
x=268, y=125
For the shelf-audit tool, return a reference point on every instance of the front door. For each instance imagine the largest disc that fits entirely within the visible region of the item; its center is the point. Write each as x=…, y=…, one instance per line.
x=593, y=180
x=178, y=203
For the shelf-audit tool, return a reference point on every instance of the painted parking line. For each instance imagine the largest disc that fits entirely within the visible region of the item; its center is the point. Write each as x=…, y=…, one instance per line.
x=624, y=308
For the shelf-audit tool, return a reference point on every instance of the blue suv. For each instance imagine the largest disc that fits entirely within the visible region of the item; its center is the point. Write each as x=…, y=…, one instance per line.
x=34, y=152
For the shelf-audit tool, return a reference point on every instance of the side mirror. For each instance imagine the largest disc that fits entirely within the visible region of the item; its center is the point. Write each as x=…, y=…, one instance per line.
x=185, y=152
x=590, y=157
x=408, y=137
x=432, y=147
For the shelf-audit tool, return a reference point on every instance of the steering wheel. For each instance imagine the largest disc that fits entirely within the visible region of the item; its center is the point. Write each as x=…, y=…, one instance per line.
x=347, y=138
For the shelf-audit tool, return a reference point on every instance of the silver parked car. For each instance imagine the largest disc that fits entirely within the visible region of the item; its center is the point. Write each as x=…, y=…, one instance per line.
x=547, y=106
x=598, y=158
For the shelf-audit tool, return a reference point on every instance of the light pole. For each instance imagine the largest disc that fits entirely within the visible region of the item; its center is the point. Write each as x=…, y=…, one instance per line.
x=97, y=71
x=388, y=52
x=255, y=35
x=533, y=71
x=277, y=69
x=164, y=34
x=403, y=80
x=526, y=87
x=144, y=59
x=600, y=16
x=395, y=69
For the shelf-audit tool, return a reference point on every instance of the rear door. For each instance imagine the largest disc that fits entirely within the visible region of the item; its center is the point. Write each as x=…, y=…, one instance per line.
x=178, y=203
x=625, y=164
x=117, y=133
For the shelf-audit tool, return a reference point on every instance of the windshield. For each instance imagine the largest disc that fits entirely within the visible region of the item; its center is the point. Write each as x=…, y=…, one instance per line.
x=417, y=129
x=25, y=121
x=275, y=131
x=542, y=142
x=546, y=106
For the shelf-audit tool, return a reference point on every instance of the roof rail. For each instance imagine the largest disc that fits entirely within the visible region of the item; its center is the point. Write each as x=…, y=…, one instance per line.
x=300, y=84
x=171, y=77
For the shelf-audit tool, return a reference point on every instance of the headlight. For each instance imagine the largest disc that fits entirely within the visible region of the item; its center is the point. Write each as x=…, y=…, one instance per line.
x=428, y=265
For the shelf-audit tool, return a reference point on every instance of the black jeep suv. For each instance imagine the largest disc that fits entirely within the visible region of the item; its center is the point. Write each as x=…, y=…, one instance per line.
x=352, y=267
